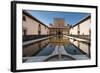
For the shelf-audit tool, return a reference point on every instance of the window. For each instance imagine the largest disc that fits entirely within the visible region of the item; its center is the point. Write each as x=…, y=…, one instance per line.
x=24, y=32
x=39, y=29
x=24, y=18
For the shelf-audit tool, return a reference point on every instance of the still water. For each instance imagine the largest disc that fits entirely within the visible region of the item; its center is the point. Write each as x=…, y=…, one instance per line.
x=56, y=49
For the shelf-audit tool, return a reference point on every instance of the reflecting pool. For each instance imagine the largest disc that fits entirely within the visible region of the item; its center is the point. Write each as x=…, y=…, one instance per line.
x=57, y=48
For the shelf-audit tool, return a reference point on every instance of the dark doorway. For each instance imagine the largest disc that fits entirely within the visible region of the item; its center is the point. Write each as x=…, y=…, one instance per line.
x=39, y=32
x=59, y=33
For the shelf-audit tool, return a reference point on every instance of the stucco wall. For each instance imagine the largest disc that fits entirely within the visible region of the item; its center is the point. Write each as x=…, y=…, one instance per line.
x=74, y=30
x=84, y=28
x=32, y=25
x=44, y=30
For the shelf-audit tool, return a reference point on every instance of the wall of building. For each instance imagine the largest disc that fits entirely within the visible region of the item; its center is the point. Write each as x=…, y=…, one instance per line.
x=74, y=30
x=83, y=28
x=66, y=32
x=32, y=26
x=44, y=30
x=59, y=22
x=58, y=27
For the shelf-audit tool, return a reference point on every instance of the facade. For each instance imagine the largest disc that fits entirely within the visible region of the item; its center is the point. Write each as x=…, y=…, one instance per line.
x=32, y=26
x=82, y=27
x=59, y=27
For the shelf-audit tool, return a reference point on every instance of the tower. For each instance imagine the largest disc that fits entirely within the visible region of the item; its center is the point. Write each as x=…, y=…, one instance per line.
x=59, y=22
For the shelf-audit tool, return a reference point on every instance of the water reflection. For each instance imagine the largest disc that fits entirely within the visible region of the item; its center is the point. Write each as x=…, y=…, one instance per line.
x=48, y=46
x=34, y=48
x=71, y=49
x=83, y=46
x=59, y=40
x=46, y=50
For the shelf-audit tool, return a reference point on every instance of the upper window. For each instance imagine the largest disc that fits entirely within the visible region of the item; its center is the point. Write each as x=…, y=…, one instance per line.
x=24, y=18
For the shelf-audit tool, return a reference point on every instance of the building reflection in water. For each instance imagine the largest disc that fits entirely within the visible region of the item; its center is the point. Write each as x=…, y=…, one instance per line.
x=46, y=47
x=83, y=46
x=34, y=48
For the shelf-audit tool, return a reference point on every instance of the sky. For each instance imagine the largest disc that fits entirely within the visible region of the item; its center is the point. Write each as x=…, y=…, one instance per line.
x=47, y=16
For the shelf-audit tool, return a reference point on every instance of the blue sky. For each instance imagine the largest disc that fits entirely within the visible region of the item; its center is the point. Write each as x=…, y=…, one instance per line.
x=47, y=16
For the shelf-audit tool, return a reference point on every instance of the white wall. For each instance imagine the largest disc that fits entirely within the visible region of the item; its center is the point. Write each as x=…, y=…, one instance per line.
x=74, y=30
x=85, y=26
